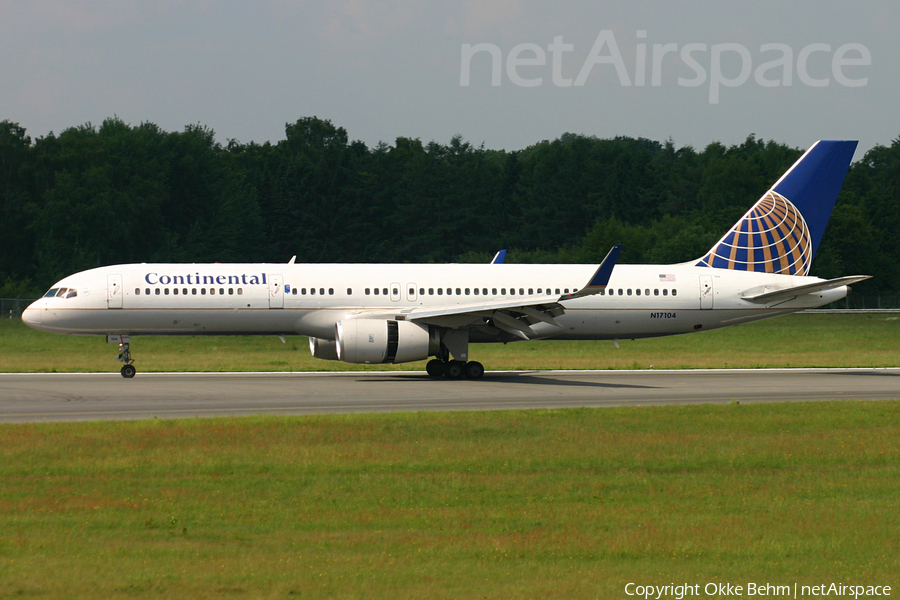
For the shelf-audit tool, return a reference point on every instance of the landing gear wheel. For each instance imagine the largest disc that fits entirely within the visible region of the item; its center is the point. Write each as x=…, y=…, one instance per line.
x=455, y=369
x=474, y=370
x=435, y=368
x=128, y=370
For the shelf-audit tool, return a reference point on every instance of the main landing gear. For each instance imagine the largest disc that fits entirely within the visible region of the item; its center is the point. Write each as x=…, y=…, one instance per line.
x=128, y=369
x=454, y=369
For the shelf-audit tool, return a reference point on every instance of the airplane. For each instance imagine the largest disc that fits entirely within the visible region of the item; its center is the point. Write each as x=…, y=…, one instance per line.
x=396, y=313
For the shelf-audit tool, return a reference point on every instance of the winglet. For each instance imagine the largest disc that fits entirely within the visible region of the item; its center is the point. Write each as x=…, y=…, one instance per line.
x=601, y=276
x=499, y=258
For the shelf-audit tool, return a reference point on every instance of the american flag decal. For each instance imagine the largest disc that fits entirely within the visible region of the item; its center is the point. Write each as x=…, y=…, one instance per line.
x=665, y=277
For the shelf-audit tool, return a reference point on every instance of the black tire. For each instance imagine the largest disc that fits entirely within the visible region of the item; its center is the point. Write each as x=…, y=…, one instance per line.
x=474, y=370
x=455, y=369
x=128, y=371
x=435, y=368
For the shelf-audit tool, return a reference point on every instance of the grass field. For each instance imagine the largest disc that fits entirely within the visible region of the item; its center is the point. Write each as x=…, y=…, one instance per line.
x=514, y=504
x=800, y=340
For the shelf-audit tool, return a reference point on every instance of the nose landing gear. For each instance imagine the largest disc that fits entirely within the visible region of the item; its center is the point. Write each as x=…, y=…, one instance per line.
x=128, y=369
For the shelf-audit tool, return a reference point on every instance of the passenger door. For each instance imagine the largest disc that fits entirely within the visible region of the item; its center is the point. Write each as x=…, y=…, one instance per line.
x=276, y=291
x=114, y=291
x=706, y=292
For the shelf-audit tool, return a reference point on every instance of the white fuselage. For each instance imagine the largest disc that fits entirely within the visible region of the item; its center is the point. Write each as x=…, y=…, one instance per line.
x=309, y=299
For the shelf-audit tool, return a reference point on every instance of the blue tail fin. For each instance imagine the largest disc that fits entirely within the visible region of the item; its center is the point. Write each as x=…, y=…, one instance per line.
x=782, y=231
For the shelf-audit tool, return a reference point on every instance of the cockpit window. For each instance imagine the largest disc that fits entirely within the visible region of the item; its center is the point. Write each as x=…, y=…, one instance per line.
x=61, y=293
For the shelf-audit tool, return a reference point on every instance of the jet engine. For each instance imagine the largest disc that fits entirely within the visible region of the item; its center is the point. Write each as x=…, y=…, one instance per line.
x=323, y=349
x=369, y=341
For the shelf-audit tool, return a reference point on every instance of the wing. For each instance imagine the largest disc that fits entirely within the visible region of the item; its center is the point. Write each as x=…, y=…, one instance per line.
x=514, y=316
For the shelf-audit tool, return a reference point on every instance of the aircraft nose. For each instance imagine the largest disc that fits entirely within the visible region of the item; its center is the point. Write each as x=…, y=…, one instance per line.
x=32, y=317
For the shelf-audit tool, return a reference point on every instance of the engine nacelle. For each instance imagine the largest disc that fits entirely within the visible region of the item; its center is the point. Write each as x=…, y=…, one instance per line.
x=370, y=341
x=323, y=349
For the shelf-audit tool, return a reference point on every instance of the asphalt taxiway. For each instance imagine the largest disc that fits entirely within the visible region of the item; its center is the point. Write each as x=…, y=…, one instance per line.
x=83, y=397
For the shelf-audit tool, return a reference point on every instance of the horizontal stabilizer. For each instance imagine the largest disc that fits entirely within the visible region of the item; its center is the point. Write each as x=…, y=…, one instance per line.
x=600, y=278
x=811, y=288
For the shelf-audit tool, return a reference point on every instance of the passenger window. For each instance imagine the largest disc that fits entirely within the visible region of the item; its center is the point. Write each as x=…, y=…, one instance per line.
x=467, y=291
x=458, y=293
x=475, y=290
x=449, y=291
x=384, y=291
x=221, y=291
x=421, y=291
x=665, y=292
x=674, y=292
x=349, y=291
x=331, y=291
x=241, y=292
x=620, y=291
x=395, y=291
x=302, y=291
x=502, y=291
x=293, y=291
x=231, y=291
x=367, y=291
x=493, y=291
x=440, y=291
x=147, y=291
x=567, y=291
x=202, y=291
x=557, y=291
x=484, y=291
x=647, y=292
x=638, y=292
x=530, y=291
x=212, y=291
x=629, y=291
x=376, y=291
x=193, y=291
x=312, y=291
x=175, y=291
x=137, y=291
x=656, y=292
x=431, y=291
x=156, y=291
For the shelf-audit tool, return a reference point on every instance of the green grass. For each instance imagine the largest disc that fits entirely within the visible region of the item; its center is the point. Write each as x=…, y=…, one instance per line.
x=514, y=504
x=801, y=340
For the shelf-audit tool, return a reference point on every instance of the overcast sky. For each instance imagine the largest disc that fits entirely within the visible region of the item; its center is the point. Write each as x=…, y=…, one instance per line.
x=793, y=72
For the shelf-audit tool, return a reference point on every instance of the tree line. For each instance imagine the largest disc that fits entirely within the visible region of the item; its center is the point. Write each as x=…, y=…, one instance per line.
x=119, y=193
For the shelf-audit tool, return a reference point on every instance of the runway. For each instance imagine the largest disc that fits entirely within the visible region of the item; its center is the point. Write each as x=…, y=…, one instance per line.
x=86, y=397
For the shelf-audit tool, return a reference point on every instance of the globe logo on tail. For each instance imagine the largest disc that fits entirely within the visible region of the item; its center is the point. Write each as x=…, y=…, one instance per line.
x=772, y=237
